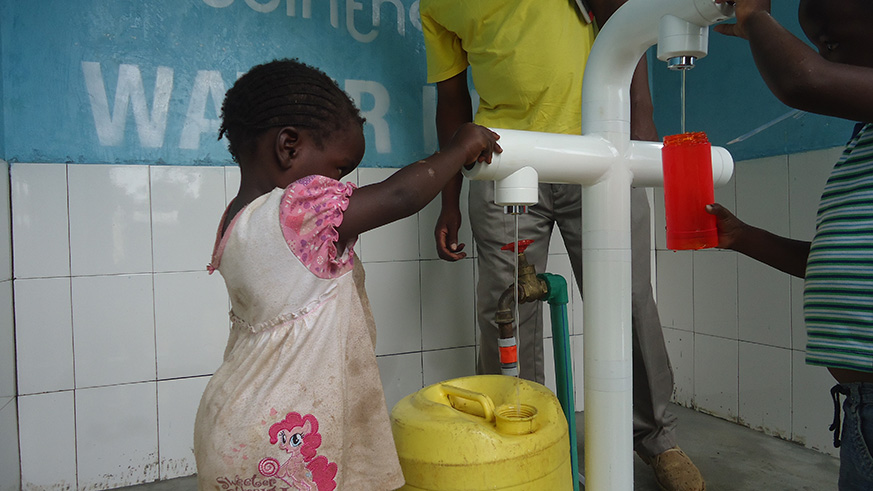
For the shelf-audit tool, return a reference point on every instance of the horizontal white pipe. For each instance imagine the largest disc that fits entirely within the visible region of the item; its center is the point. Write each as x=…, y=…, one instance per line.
x=576, y=159
x=557, y=158
x=644, y=160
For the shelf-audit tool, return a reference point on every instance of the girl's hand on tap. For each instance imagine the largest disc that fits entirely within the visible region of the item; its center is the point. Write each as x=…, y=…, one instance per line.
x=744, y=11
x=478, y=143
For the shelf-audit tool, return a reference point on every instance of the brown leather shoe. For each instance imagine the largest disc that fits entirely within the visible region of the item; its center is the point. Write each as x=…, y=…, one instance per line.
x=674, y=471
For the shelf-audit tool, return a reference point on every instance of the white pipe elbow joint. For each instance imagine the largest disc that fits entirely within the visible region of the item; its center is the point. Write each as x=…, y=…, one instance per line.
x=678, y=37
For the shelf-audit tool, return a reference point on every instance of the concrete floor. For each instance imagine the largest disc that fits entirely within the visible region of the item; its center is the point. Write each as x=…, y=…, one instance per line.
x=730, y=457
x=735, y=458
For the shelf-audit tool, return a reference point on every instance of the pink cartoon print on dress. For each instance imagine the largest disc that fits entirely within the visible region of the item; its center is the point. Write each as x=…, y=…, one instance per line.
x=304, y=470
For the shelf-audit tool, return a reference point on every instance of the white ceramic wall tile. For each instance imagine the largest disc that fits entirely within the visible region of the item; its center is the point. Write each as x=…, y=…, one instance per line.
x=549, y=360
x=764, y=303
x=675, y=286
x=40, y=230
x=812, y=405
x=650, y=192
x=117, y=436
x=576, y=361
x=576, y=309
x=798, y=323
x=559, y=264
x=401, y=375
x=177, y=407
x=5, y=223
x=659, y=219
x=10, y=462
x=578, y=345
x=395, y=295
x=190, y=310
x=6, y=400
x=231, y=182
x=187, y=203
x=680, y=347
x=715, y=293
x=113, y=329
x=397, y=241
x=762, y=193
x=110, y=219
x=427, y=219
x=447, y=364
x=44, y=335
x=47, y=426
x=7, y=343
x=448, y=319
x=765, y=389
x=352, y=177
x=556, y=242
x=9, y=450
x=716, y=380
x=808, y=172
x=727, y=195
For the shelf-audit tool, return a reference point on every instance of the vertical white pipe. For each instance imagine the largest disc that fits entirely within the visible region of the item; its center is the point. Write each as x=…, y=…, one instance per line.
x=606, y=285
x=606, y=256
x=606, y=166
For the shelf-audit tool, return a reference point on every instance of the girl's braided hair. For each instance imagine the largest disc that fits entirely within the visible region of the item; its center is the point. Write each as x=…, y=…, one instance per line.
x=284, y=93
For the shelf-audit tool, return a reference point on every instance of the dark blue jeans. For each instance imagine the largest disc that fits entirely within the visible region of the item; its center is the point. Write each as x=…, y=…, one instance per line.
x=856, y=461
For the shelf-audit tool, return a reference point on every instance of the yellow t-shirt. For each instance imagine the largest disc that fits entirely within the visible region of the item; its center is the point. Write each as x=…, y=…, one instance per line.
x=527, y=58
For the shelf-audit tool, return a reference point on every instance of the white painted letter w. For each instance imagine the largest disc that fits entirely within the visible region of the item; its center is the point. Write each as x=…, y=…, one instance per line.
x=129, y=90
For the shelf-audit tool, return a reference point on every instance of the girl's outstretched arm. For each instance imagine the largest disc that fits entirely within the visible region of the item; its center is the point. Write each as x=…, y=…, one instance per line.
x=837, y=81
x=411, y=188
x=786, y=255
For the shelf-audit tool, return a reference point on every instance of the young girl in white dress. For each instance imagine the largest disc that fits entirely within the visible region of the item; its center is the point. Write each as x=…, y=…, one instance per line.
x=297, y=402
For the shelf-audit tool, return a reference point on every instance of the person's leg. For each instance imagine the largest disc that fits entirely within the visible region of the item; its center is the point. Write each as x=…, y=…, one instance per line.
x=654, y=425
x=492, y=229
x=856, y=462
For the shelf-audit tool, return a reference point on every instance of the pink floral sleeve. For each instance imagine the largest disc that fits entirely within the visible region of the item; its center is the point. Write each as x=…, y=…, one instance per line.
x=311, y=210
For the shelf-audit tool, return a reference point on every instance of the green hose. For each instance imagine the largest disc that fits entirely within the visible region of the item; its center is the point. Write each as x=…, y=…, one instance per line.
x=558, y=298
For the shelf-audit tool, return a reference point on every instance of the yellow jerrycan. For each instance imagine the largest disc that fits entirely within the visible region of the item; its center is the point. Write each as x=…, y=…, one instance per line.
x=485, y=432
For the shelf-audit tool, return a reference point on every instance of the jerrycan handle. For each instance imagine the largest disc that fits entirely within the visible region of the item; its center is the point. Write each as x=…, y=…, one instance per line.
x=467, y=401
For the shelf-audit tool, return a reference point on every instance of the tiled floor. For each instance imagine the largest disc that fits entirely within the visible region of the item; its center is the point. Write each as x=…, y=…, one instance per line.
x=731, y=458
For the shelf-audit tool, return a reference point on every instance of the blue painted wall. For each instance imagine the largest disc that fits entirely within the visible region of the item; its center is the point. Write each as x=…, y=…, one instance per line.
x=726, y=97
x=4, y=14
x=99, y=81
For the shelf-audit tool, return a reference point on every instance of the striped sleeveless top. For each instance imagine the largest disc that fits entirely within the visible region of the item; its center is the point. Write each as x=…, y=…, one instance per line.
x=838, y=292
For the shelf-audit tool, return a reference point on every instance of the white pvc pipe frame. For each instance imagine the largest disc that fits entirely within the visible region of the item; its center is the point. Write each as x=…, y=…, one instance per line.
x=607, y=163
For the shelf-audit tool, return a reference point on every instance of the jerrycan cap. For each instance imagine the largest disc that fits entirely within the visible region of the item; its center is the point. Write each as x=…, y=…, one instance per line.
x=516, y=420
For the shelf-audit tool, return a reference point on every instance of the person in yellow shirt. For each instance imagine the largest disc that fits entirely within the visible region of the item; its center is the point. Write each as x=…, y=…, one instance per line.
x=527, y=59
